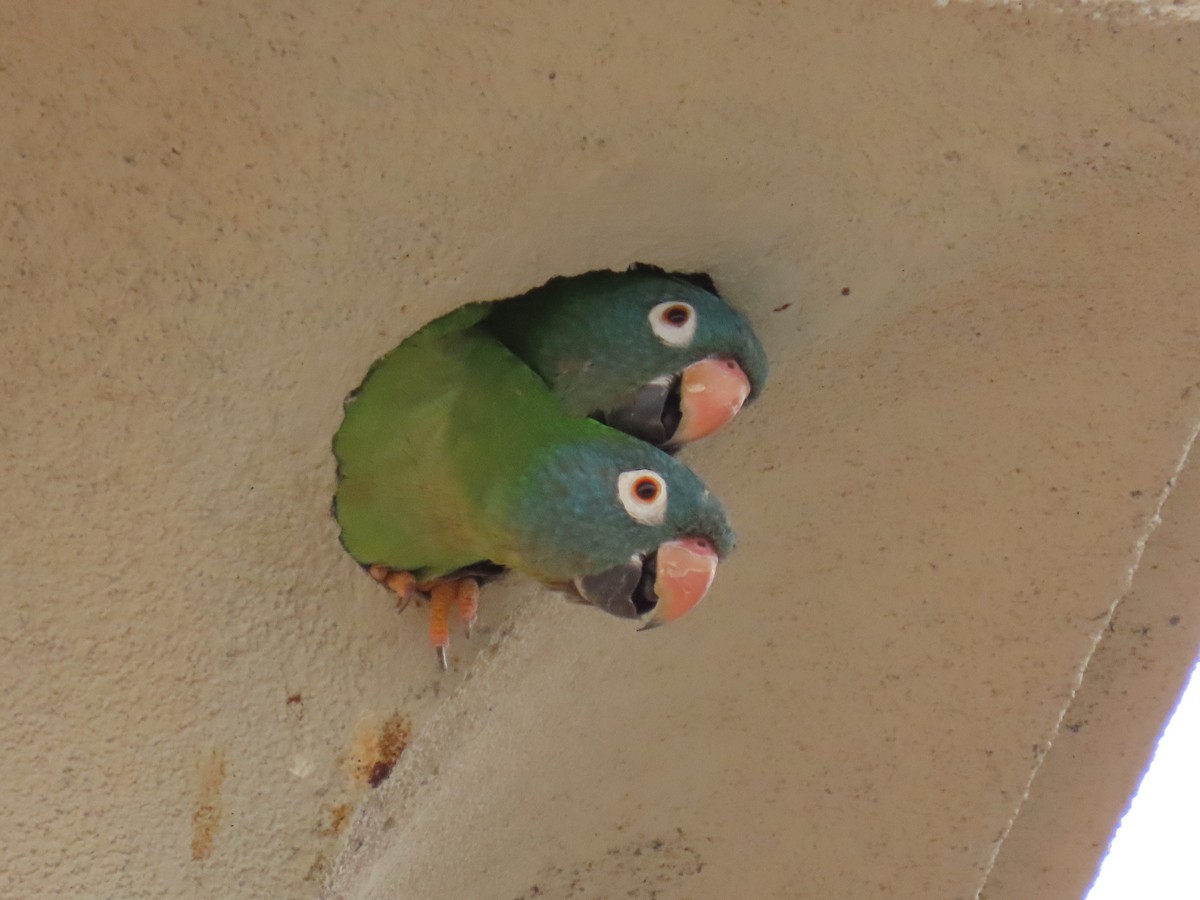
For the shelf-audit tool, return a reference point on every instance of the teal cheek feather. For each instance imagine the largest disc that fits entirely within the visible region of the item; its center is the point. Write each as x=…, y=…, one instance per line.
x=589, y=336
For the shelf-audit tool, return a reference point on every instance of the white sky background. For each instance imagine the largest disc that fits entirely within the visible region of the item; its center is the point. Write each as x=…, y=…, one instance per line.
x=1156, y=849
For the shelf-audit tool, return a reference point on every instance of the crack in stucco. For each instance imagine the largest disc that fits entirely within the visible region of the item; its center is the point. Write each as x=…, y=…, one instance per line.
x=1138, y=551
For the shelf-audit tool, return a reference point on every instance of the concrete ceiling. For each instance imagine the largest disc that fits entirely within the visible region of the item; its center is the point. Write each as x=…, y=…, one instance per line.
x=966, y=593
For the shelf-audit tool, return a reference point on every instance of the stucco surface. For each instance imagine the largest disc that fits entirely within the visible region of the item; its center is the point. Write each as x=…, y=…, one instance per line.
x=967, y=236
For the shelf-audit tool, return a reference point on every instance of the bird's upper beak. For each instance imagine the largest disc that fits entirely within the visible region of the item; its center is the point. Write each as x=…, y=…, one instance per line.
x=711, y=393
x=685, y=571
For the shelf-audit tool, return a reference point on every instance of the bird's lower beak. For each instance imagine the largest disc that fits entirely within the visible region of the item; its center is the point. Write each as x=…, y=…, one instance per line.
x=651, y=415
x=616, y=590
x=685, y=571
x=669, y=581
x=712, y=392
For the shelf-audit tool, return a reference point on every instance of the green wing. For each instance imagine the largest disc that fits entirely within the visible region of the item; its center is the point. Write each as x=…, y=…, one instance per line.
x=432, y=446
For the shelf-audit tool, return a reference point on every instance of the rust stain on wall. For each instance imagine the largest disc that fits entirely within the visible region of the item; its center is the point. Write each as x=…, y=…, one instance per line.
x=336, y=819
x=376, y=748
x=206, y=817
x=319, y=869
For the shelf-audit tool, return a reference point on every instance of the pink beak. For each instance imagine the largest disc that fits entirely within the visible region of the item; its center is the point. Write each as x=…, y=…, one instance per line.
x=712, y=392
x=686, y=569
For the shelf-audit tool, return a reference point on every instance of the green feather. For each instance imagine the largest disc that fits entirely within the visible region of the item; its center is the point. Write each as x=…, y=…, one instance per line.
x=452, y=452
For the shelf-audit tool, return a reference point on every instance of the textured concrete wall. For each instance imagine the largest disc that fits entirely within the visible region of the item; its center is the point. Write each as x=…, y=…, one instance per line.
x=968, y=238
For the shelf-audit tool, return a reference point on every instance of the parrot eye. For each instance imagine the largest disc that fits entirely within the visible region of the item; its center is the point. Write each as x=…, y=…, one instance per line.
x=673, y=323
x=676, y=315
x=643, y=493
x=646, y=489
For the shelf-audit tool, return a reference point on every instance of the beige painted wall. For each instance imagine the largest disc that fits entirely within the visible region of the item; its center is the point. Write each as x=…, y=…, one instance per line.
x=968, y=236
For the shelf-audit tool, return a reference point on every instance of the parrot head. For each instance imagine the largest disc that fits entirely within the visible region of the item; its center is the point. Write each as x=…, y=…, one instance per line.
x=659, y=356
x=719, y=362
x=623, y=525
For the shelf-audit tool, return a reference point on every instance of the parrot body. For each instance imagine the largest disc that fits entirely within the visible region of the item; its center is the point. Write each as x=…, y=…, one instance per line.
x=453, y=453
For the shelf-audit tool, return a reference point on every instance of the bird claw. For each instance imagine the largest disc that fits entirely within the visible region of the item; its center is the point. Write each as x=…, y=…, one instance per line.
x=468, y=603
x=461, y=592
x=402, y=584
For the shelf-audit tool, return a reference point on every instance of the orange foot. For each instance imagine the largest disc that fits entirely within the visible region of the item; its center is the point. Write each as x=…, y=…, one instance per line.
x=460, y=592
x=402, y=584
x=443, y=594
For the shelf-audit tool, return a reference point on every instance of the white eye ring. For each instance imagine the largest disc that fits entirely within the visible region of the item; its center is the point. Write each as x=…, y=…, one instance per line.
x=643, y=493
x=674, y=323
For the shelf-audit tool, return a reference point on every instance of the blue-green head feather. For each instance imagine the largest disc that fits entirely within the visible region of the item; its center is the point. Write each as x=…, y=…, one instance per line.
x=592, y=484
x=601, y=338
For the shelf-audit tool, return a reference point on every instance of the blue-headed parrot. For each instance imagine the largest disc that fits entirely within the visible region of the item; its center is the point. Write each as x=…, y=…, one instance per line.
x=455, y=459
x=657, y=355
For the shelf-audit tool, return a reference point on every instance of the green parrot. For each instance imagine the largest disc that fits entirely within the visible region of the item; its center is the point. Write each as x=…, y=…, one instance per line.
x=455, y=459
x=657, y=355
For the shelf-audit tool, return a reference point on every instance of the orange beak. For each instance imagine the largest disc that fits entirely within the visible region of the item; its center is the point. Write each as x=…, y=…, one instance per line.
x=711, y=393
x=686, y=569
